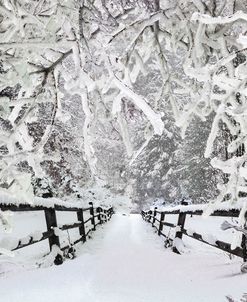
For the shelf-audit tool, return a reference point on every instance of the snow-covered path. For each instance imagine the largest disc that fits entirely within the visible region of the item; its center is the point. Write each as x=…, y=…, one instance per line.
x=124, y=262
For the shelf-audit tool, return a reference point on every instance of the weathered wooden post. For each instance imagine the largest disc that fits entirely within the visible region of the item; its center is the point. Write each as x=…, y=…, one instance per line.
x=162, y=218
x=154, y=217
x=244, y=241
x=180, y=224
x=111, y=212
x=51, y=223
x=104, y=217
x=145, y=216
x=243, y=245
x=92, y=214
x=80, y=218
x=99, y=210
x=149, y=216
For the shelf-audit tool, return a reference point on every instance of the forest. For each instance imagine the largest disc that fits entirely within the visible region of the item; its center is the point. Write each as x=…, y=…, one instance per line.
x=128, y=105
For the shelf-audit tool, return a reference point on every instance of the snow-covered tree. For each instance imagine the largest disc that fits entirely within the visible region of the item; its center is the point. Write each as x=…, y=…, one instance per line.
x=35, y=41
x=125, y=61
x=196, y=177
x=214, y=65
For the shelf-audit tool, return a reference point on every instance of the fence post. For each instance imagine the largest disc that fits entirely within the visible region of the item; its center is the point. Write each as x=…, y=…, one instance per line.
x=80, y=218
x=104, y=219
x=244, y=241
x=92, y=214
x=155, y=213
x=99, y=210
x=146, y=216
x=180, y=223
x=51, y=223
x=111, y=212
x=149, y=216
x=162, y=218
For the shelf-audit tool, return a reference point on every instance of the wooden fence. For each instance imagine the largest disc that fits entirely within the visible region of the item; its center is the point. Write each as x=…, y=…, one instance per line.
x=157, y=219
x=96, y=216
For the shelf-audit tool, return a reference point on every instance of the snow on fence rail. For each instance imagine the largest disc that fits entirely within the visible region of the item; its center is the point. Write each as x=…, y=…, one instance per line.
x=151, y=217
x=52, y=233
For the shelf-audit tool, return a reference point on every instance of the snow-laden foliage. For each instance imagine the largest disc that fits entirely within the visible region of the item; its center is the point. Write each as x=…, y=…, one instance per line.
x=39, y=51
x=215, y=78
x=121, y=64
x=56, y=50
x=196, y=177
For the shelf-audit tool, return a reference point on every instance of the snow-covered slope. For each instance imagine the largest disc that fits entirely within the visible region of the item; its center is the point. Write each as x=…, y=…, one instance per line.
x=126, y=261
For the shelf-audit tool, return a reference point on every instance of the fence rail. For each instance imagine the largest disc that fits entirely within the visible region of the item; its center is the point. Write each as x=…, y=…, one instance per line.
x=102, y=215
x=151, y=216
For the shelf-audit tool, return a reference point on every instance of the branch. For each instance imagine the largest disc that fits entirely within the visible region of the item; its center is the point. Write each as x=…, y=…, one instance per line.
x=140, y=102
x=226, y=225
x=47, y=70
x=145, y=23
x=206, y=19
x=38, y=44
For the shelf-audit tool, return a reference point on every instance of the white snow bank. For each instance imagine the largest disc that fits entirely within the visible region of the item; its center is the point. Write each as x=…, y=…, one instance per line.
x=204, y=207
x=126, y=262
x=8, y=199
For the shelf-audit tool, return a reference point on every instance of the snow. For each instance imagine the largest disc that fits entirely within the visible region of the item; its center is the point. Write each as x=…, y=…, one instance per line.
x=25, y=240
x=127, y=261
x=178, y=243
x=242, y=40
x=37, y=235
x=209, y=238
x=206, y=19
x=7, y=198
x=140, y=102
x=9, y=243
x=203, y=207
x=190, y=232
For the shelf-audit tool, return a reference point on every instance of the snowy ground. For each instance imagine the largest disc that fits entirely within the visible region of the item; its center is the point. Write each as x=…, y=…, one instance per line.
x=126, y=261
